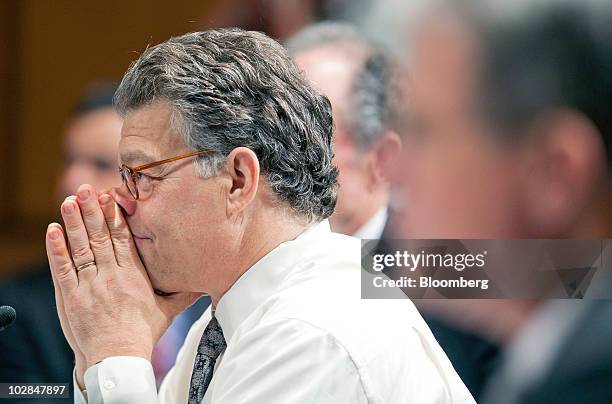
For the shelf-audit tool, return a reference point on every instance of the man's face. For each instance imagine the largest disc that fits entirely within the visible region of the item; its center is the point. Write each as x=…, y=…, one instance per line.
x=90, y=152
x=331, y=73
x=456, y=180
x=177, y=226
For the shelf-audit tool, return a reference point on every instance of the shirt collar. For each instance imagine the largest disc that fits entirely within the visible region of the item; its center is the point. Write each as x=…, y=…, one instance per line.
x=374, y=227
x=264, y=278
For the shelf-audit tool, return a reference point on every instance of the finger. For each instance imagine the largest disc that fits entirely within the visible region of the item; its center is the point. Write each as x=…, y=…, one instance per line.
x=95, y=225
x=59, y=300
x=77, y=238
x=121, y=236
x=62, y=269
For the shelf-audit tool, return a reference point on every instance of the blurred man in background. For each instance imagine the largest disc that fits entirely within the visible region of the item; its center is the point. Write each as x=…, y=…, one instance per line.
x=91, y=143
x=360, y=78
x=356, y=77
x=34, y=349
x=510, y=137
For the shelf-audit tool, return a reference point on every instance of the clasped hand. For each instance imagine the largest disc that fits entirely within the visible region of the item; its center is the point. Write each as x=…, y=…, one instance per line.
x=105, y=301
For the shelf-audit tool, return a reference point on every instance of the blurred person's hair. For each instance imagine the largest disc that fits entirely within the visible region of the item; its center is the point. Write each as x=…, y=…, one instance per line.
x=326, y=33
x=538, y=56
x=376, y=99
x=98, y=96
x=230, y=88
x=374, y=95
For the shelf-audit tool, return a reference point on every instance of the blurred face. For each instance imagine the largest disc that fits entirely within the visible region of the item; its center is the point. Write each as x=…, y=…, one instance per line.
x=456, y=180
x=178, y=225
x=331, y=73
x=90, y=150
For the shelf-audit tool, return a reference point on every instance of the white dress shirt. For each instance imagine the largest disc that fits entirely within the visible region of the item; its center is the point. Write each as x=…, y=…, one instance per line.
x=297, y=331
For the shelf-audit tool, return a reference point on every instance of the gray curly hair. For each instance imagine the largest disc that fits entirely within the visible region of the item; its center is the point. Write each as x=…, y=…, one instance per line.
x=230, y=88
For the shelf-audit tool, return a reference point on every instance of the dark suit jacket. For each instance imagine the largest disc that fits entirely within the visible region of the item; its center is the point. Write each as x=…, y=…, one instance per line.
x=473, y=357
x=582, y=370
x=33, y=349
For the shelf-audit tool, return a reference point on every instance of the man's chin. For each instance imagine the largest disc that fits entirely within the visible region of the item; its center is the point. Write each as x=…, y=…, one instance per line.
x=158, y=289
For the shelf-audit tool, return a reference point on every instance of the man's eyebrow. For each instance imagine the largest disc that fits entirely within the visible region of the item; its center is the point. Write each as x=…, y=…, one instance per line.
x=135, y=157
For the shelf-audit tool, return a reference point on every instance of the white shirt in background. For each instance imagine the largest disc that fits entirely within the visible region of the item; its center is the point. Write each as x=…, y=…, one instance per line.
x=373, y=228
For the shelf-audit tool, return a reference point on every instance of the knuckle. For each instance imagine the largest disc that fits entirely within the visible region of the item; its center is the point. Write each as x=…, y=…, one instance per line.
x=88, y=212
x=99, y=241
x=121, y=235
x=113, y=223
x=82, y=251
x=73, y=226
x=118, y=230
x=64, y=272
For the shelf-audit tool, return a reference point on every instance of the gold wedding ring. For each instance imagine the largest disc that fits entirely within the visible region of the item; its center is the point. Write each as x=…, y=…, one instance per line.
x=85, y=266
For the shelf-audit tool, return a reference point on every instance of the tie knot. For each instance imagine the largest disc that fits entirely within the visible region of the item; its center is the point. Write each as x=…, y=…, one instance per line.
x=213, y=341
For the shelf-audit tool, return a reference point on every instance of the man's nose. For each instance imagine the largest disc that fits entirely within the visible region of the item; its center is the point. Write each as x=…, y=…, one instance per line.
x=124, y=200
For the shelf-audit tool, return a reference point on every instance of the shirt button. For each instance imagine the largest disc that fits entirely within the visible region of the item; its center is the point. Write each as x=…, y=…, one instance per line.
x=109, y=384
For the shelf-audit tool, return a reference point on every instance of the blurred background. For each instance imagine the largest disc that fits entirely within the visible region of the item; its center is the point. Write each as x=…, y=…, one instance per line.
x=52, y=52
x=507, y=134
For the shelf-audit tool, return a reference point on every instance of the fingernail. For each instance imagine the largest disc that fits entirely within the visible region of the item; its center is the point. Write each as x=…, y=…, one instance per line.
x=68, y=208
x=54, y=234
x=84, y=194
x=104, y=199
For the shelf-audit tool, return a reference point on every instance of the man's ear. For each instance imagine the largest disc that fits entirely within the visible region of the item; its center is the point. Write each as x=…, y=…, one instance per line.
x=242, y=167
x=565, y=164
x=383, y=158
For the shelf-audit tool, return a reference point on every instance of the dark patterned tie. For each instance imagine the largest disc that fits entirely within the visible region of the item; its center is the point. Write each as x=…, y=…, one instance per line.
x=211, y=346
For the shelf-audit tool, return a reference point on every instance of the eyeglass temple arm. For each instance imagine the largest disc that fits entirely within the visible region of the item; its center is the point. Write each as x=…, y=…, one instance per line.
x=171, y=159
